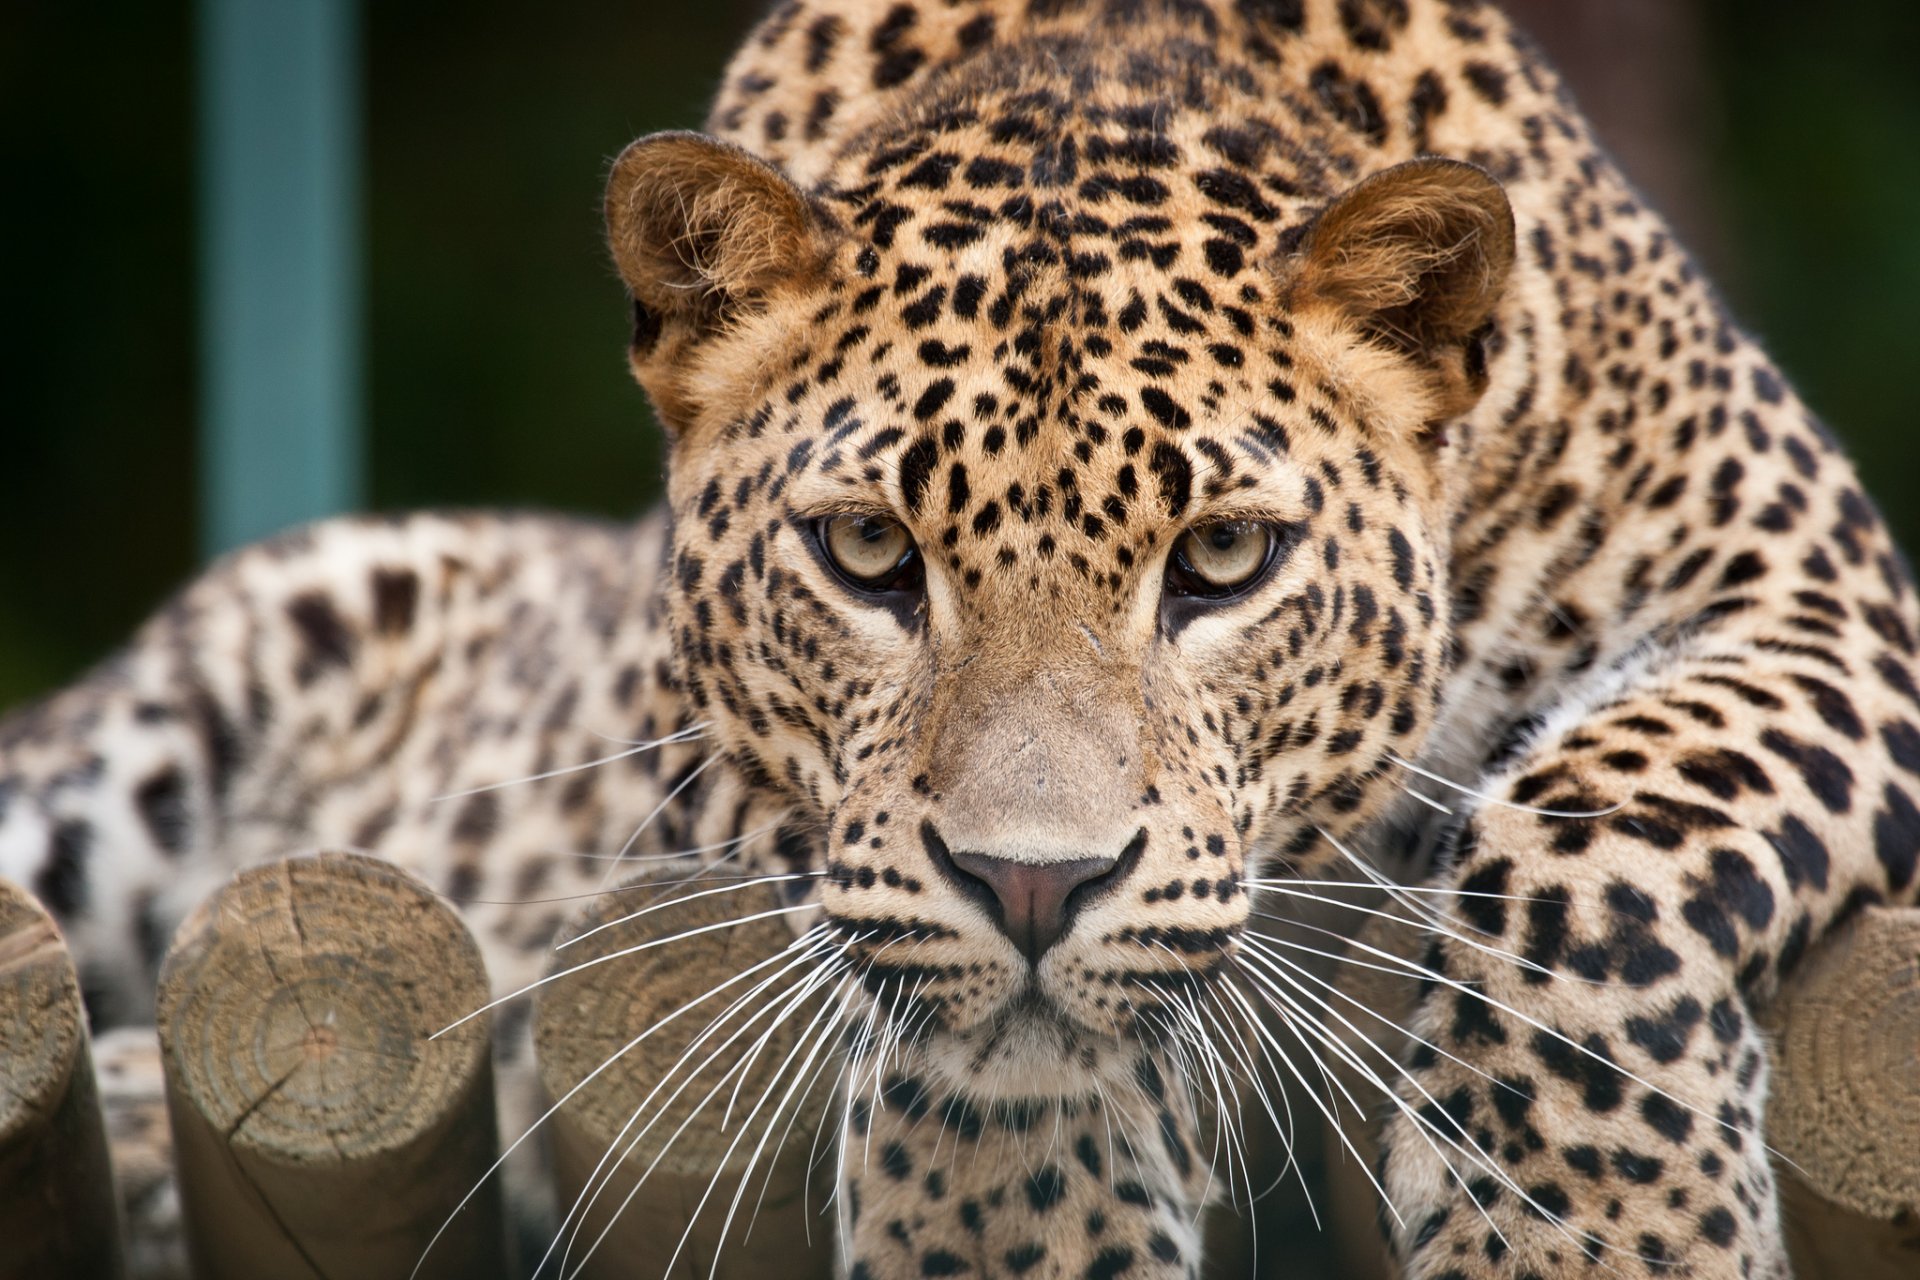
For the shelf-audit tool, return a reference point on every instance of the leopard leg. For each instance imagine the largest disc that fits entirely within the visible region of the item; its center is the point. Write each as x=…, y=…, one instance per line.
x=1590, y=1093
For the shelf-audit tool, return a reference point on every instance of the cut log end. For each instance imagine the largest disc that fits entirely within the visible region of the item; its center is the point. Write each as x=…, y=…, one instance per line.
x=321, y=1126
x=57, y=1213
x=1845, y=1103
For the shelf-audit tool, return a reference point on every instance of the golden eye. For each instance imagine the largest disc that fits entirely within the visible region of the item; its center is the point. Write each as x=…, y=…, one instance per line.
x=1220, y=558
x=873, y=553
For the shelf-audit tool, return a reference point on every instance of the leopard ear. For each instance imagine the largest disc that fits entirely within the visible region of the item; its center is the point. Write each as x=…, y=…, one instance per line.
x=703, y=233
x=1417, y=256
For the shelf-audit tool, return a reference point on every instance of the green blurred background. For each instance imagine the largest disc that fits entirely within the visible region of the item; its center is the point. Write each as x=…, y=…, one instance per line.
x=1786, y=146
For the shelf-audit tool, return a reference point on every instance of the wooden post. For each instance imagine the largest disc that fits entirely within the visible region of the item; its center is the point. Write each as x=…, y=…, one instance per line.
x=1843, y=1110
x=1846, y=1100
x=57, y=1215
x=583, y=1021
x=318, y=1131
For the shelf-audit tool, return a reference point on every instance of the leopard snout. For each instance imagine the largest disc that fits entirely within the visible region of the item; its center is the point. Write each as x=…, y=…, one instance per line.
x=1033, y=902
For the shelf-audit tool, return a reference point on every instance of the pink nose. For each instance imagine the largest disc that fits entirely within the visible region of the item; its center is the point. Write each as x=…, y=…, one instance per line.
x=1033, y=902
x=1033, y=897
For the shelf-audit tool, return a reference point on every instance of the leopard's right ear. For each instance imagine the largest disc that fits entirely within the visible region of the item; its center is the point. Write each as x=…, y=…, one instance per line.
x=704, y=235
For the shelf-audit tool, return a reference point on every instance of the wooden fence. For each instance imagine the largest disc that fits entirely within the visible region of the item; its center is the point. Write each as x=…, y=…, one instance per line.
x=320, y=1127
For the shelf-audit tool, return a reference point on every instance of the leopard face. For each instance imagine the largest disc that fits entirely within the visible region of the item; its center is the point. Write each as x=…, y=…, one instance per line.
x=1058, y=592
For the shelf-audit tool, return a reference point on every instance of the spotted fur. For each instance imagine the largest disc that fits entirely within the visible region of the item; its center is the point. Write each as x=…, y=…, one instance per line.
x=1049, y=282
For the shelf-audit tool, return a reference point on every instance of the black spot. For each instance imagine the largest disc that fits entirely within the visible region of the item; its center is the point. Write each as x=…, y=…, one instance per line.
x=1025, y=1258
x=478, y=818
x=1165, y=410
x=1548, y=1199
x=1045, y=1188
x=933, y=399
x=1804, y=858
x=1583, y=1159
x=916, y=468
x=396, y=597
x=1351, y=102
x=1589, y=1065
x=1288, y=15
x=1174, y=474
x=1665, y=1037
x=162, y=802
x=1666, y=1117
x=1825, y=773
x=1482, y=903
x=325, y=640
x=1489, y=81
x=1717, y=1226
x=61, y=882
x=1402, y=559
x=1896, y=837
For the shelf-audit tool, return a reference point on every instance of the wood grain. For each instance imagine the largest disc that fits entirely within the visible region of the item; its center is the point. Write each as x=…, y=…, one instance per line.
x=319, y=1130
x=57, y=1213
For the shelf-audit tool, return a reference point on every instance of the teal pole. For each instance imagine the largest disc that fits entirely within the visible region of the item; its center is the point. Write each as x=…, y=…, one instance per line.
x=280, y=265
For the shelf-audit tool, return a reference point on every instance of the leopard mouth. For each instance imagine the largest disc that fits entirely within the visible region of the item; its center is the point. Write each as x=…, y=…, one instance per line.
x=1028, y=1047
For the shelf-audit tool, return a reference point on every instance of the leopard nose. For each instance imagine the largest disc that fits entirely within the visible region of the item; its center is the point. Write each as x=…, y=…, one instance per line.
x=1032, y=902
x=1033, y=897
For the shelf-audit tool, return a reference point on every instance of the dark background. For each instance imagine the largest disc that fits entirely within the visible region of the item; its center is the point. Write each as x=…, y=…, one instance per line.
x=1782, y=137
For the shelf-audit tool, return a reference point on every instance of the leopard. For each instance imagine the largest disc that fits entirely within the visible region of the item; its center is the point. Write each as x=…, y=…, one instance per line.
x=1129, y=462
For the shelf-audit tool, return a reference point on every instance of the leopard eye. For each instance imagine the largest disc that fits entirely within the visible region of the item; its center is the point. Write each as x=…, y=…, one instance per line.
x=872, y=553
x=1220, y=559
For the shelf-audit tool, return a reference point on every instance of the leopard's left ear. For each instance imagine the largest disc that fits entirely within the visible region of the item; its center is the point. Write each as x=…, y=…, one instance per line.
x=705, y=235
x=1417, y=257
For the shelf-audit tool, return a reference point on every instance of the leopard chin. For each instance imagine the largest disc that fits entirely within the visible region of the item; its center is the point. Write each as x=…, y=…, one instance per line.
x=1030, y=1048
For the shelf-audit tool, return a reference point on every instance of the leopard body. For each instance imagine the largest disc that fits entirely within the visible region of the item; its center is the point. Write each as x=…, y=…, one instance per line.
x=1048, y=283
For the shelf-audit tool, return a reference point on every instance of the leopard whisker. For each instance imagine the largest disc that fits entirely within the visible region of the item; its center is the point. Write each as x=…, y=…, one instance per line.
x=1265, y=882
x=1273, y=958
x=632, y=749
x=1323, y=1105
x=657, y=810
x=782, y=1010
x=743, y=1066
x=823, y=945
x=1226, y=1011
x=638, y=886
x=1423, y=926
x=615, y=955
x=1427, y=800
x=1472, y=1150
x=1315, y=1031
x=630, y=917
x=1499, y=801
x=1436, y=922
x=1421, y=971
x=1208, y=1053
x=1209, y=1006
x=679, y=854
x=687, y=734
x=549, y=1113
x=1384, y=882
x=1345, y=1052
x=826, y=1019
x=813, y=1082
x=1231, y=1126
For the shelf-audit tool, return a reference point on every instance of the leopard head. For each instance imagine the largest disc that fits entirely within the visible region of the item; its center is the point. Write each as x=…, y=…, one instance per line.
x=1069, y=553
